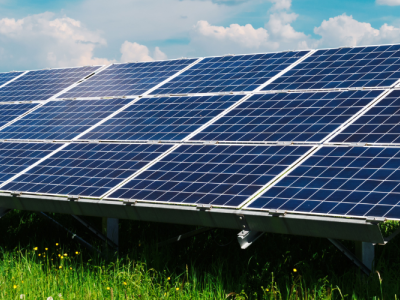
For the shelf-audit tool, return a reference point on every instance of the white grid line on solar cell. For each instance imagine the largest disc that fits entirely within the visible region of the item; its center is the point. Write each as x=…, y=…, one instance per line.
x=15, y=78
x=61, y=120
x=279, y=177
x=86, y=169
x=215, y=118
x=39, y=85
x=131, y=103
x=143, y=92
x=287, y=172
x=284, y=71
x=172, y=77
x=104, y=196
x=34, y=165
x=83, y=79
x=21, y=116
x=250, y=101
x=105, y=119
x=383, y=195
x=356, y=117
x=267, y=147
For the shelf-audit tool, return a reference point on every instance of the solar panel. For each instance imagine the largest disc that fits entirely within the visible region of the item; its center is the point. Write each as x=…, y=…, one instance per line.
x=62, y=120
x=6, y=77
x=11, y=111
x=298, y=117
x=221, y=175
x=230, y=73
x=372, y=66
x=43, y=84
x=16, y=157
x=127, y=79
x=86, y=169
x=380, y=124
x=163, y=118
x=350, y=181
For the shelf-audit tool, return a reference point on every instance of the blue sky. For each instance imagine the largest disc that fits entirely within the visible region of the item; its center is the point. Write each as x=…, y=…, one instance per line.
x=42, y=33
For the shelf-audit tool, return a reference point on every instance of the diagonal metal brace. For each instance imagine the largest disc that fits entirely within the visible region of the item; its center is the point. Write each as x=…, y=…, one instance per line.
x=74, y=236
x=96, y=232
x=247, y=238
x=351, y=256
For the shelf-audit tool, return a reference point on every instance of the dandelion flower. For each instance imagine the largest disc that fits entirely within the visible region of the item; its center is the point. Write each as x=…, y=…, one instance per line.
x=14, y=286
x=65, y=254
x=50, y=298
x=295, y=270
x=59, y=254
x=267, y=290
x=56, y=244
x=77, y=252
x=108, y=288
x=60, y=267
x=70, y=268
x=62, y=257
x=177, y=289
x=35, y=248
x=125, y=283
x=169, y=278
x=39, y=254
x=46, y=249
x=22, y=281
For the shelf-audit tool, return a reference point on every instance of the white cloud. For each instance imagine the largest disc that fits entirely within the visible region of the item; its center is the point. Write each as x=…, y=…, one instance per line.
x=277, y=34
x=44, y=41
x=135, y=52
x=343, y=30
x=388, y=2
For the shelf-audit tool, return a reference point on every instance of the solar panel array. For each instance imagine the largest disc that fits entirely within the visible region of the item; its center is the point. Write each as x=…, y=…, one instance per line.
x=308, y=132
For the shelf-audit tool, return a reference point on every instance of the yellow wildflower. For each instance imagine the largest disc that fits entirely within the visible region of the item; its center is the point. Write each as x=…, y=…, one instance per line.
x=65, y=254
x=46, y=249
x=169, y=278
x=35, y=248
x=60, y=267
x=39, y=254
x=177, y=289
x=15, y=286
x=295, y=270
x=56, y=244
x=108, y=288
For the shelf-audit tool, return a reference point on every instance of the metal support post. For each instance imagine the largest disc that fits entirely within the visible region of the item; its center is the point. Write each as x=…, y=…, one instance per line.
x=111, y=230
x=247, y=238
x=365, y=252
x=4, y=211
x=96, y=232
x=351, y=256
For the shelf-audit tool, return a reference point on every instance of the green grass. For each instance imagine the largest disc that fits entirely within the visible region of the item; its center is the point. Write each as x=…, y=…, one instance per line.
x=275, y=267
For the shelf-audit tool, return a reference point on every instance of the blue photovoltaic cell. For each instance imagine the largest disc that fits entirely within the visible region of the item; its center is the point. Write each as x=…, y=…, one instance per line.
x=164, y=118
x=43, y=84
x=221, y=175
x=11, y=111
x=373, y=66
x=128, y=79
x=62, y=120
x=230, y=73
x=298, y=117
x=380, y=124
x=86, y=169
x=351, y=181
x=5, y=77
x=16, y=157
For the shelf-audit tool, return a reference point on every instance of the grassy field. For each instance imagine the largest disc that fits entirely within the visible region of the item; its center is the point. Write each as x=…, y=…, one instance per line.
x=39, y=260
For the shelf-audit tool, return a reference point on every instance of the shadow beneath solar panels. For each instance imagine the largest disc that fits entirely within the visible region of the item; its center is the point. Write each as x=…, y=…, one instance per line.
x=273, y=259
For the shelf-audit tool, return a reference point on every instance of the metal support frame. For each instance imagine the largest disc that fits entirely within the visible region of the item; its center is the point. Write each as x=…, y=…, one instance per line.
x=365, y=252
x=96, y=232
x=247, y=238
x=74, y=236
x=351, y=256
x=183, y=236
x=113, y=230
